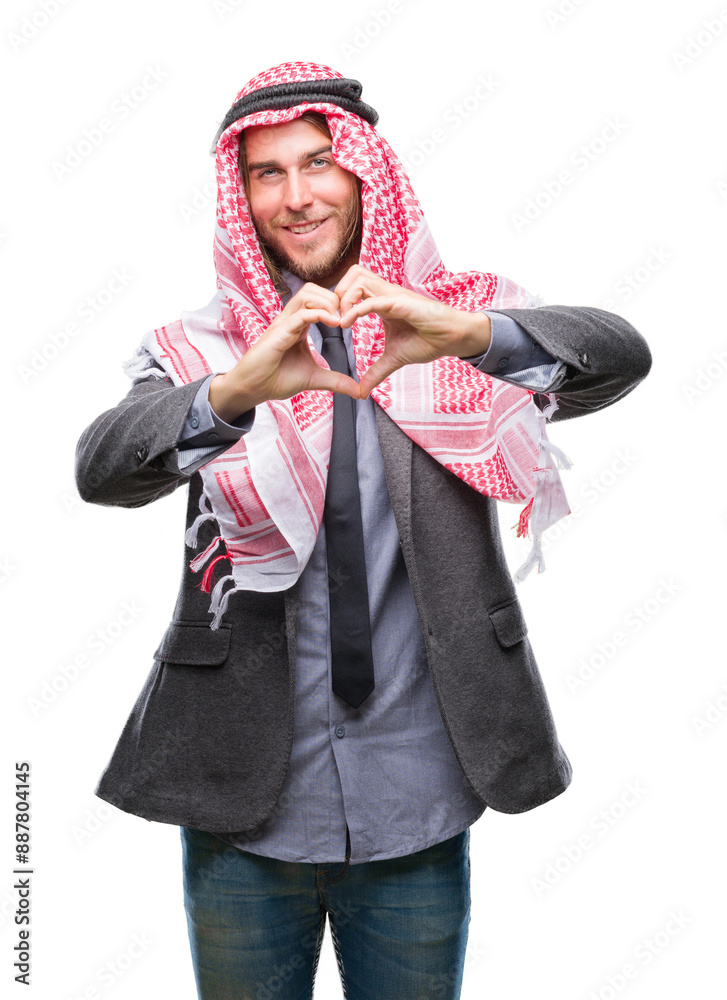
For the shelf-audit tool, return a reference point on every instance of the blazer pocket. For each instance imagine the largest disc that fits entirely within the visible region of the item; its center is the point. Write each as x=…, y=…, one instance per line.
x=194, y=644
x=509, y=622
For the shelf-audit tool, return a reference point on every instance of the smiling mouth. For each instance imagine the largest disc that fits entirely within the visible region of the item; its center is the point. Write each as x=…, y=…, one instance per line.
x=306, y=227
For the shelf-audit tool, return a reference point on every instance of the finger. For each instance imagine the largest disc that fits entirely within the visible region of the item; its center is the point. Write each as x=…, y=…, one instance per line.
x=301, y=320
x=377, y=372
x=357, y=292
x=359, y=285
x=377, y=304
x=312, y=296
x=334, y=381
x=355, y=273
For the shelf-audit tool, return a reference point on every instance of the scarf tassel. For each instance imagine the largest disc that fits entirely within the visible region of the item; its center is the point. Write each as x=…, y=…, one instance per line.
x=206, y=583
x=206, y=514
x=521, y=528
x=191, y=536
x=546, y=480
x=218, y=604
x=559, y=456
x=536, y=556
x=198, y=562
x=219, y=601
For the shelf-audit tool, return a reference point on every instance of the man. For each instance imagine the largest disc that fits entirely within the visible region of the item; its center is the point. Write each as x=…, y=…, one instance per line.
x=345, y=412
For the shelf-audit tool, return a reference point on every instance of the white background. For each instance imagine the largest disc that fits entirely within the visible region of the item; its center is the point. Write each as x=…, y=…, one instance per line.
x=651, y=204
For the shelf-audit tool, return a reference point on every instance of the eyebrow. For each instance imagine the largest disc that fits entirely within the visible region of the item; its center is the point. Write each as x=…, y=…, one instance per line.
x=261, y=164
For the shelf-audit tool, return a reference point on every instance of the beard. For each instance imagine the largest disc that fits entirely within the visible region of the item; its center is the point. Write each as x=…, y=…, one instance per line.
x=313, y=263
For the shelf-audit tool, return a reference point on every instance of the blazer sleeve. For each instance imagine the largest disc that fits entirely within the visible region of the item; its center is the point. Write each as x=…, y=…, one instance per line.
x=126, y=457
x=605, y=356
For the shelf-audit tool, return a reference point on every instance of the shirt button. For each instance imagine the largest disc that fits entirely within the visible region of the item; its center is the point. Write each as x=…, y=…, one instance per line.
x=340, y=731
x=212, y=436
x=194, y=422
x=503, y=362
x=584, y=360
x=141, y=453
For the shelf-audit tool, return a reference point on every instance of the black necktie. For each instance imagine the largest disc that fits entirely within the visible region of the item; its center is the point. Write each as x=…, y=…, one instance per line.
x=351, y=656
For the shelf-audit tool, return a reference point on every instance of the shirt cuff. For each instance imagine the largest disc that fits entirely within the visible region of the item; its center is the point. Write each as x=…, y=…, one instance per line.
x=511, y=349
x=190, y=460
x=203, y=428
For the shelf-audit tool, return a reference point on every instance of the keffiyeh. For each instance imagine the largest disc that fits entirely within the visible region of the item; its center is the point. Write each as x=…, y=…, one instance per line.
x=267, y=491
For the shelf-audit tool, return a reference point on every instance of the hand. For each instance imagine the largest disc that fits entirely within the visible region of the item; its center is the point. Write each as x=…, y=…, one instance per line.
x=418, y=329
x=280, y=363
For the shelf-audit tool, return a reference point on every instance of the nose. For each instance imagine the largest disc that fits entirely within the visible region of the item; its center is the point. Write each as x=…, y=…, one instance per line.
x=297, y=192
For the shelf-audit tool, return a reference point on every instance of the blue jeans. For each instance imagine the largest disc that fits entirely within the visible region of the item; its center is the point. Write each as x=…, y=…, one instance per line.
x=399, y=927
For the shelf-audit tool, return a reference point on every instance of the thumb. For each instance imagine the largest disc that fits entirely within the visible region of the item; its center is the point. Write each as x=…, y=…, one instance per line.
x=333, y=381
x=377, y=372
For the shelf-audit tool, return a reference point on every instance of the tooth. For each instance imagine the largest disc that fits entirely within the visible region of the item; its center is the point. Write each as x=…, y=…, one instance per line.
x=304, y=229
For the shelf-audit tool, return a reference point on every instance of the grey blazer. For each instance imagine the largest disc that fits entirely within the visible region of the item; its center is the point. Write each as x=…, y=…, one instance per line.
x=202, y=745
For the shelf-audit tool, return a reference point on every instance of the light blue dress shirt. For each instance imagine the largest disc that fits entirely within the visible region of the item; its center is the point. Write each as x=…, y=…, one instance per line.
x=386, y=769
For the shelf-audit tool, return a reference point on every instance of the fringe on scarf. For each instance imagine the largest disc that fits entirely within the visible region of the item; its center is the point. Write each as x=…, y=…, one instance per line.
x=531, y=520
x=142, y=365
x=206, y=515
x=218, y=602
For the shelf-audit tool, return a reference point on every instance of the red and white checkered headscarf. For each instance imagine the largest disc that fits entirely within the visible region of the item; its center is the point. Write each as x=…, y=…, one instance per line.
x=267, y=490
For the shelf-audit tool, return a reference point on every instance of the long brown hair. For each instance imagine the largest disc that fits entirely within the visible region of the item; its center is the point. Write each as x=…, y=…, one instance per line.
x=318, y=121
